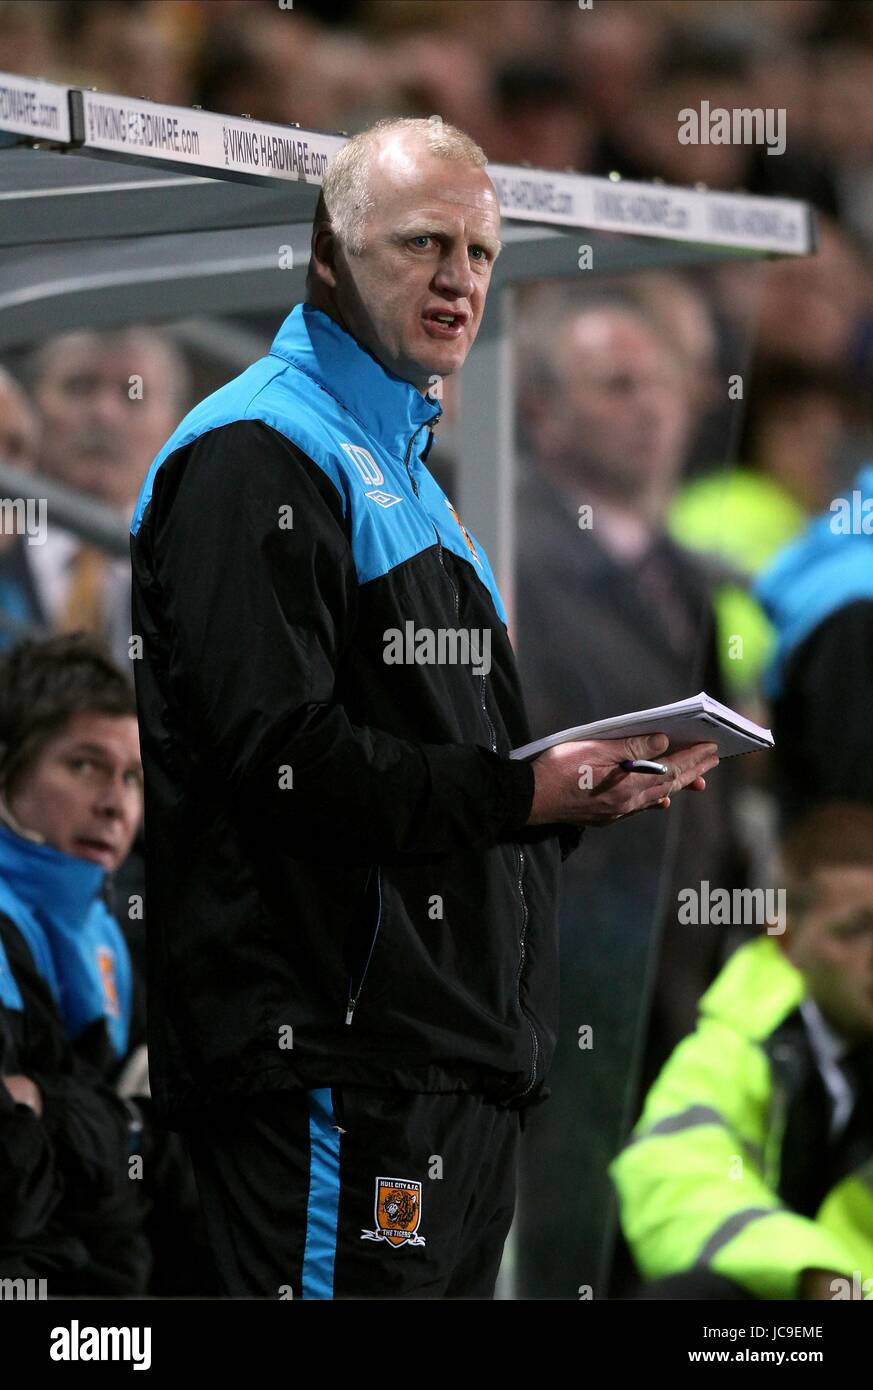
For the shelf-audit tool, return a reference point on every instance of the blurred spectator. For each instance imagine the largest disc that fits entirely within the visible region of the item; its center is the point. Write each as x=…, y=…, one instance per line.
x=843, y=115
x=817, y=310
x=539, y=118
x=745, y=1176
x=129, y=46
x=27, y=39
x=682, y=311
x=613, y=51
x=73, y=1209
x=714, y=62
x=104, y=399
x=438, y=73
x=799, y=429
x=611, y=616
x=106, y=402
x=20, y=609
x=278, y=66
x=818, y=592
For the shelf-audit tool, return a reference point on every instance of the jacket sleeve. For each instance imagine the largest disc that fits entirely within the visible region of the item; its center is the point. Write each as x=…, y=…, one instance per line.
x=260, y=620
x=818, y=710
x=29, y=1187
x=691, y=1182
x=77, y=1149
x=569, y=838
x=90, y=1131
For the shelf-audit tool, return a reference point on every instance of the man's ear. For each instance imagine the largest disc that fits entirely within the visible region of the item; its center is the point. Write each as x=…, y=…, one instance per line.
x=323, y=251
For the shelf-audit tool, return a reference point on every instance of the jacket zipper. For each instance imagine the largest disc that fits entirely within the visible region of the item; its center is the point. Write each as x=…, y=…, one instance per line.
x=772, y=1156
x=535, y=1044
x=484, y=705
x=355, y=988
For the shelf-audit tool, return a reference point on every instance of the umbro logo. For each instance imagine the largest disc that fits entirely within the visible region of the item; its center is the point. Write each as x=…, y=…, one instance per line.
x=385, y=499
x=371, y=473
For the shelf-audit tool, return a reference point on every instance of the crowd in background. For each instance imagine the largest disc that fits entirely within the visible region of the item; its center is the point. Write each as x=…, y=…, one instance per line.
x=543, y=81
x=623, y=402
x=555, y=85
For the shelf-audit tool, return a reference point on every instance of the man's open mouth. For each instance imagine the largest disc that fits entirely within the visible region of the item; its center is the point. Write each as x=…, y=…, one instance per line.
x=89, y=846
x=444, y=323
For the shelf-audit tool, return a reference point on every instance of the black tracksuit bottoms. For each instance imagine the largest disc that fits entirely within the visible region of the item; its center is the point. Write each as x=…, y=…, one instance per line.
x=358, y=1192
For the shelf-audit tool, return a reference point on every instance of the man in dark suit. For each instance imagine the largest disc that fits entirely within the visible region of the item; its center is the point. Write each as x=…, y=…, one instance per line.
x=611, y=616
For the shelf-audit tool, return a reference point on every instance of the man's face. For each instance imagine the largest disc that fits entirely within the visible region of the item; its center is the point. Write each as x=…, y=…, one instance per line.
x=833, y=946
x=623, y=414
x=801, y=444
x=100, y=432
x=83, y=793
x=431, y=240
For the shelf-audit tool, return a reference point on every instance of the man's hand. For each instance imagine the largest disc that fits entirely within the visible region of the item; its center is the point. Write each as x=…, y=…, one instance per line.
x=585, y=784
x=24, y=1091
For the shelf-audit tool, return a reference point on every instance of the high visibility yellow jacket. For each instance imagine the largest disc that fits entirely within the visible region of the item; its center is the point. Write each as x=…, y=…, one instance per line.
x=739, y=518
x=699, y=1179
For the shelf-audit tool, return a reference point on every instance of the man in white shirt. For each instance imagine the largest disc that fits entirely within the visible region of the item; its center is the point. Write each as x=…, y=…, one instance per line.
x=106, y=401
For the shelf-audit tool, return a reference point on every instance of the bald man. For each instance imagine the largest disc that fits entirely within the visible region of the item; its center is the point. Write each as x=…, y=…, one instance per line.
x=609, y=431
x=351, y=886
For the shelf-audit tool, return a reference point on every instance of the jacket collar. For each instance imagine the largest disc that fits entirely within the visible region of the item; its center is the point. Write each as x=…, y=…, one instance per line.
x=49, y=881
x=386, y=406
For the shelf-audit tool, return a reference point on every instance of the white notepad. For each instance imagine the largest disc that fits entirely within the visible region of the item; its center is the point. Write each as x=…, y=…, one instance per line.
x=699, y=719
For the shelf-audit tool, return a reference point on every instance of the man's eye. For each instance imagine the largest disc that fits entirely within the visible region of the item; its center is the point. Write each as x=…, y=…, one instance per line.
x=421, y=237
x=80, y=763
x=483, y=256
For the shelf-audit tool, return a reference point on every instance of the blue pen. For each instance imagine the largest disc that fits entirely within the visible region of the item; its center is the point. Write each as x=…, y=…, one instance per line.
x=643, y=765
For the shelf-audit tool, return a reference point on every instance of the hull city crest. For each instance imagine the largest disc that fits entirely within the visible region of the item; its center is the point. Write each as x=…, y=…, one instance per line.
x=465, y=533
x=398, y=1212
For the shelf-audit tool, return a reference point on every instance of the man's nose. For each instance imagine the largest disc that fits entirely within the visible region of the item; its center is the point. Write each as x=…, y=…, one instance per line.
x=652, y=401
x=112, y=798
x=110, y=404
x=454, y=277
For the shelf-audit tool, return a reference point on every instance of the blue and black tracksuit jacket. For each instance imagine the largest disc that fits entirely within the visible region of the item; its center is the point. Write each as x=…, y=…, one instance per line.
x=341, y=885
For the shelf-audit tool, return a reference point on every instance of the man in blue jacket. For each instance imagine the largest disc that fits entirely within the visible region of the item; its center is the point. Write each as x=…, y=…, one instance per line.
x=70, y=802
x=351, y=887
x=818, y=593
x=93, y=1196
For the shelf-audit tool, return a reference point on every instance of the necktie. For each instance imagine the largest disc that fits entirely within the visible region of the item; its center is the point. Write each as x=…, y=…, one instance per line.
x=84, y=607
x=659, y=584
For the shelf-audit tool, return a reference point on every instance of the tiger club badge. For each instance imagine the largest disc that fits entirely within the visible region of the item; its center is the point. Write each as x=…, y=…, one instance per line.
x=106, y=967
x=398, y=1212
x=464, y=532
